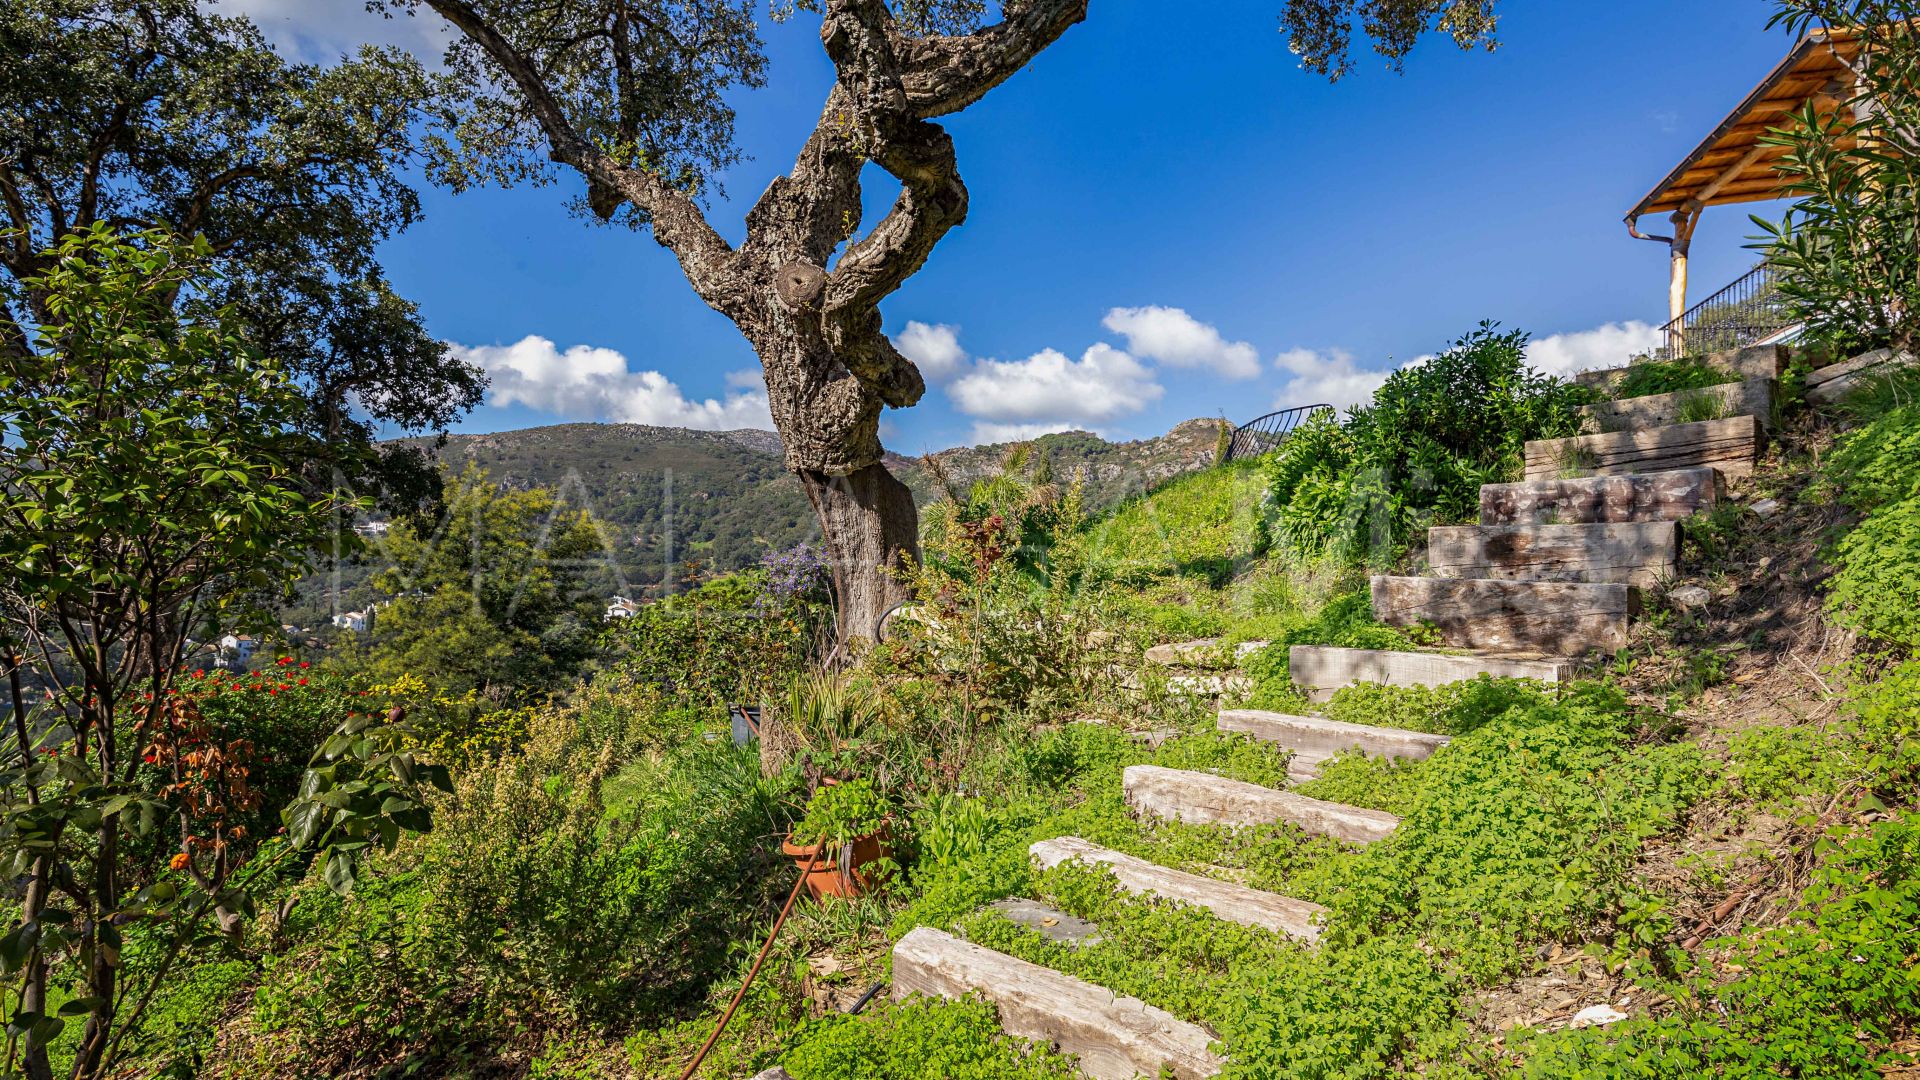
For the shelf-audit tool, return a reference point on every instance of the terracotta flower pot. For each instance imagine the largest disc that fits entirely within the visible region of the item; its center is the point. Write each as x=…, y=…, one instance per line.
x=833, y=875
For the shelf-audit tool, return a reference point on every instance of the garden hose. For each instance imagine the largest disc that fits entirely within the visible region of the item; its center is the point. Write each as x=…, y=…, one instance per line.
x=727, y=1016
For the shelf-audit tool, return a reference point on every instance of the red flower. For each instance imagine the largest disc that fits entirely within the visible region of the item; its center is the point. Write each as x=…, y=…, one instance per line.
x=273, y=689
x=304, y=664
x=199, y=673
x=149, y=758
x=284, y=661
x=302, y=682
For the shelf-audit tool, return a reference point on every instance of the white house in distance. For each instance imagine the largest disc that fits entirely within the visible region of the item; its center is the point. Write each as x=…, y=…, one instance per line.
x=236, y=650
x=356, y=621
x=621, y=608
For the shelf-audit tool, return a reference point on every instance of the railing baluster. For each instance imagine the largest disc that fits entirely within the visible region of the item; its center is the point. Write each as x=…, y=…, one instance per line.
x=1736, y=316
x=1265, y=434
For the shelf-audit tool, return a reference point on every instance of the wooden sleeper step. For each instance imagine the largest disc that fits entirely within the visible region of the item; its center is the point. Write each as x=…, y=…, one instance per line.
x=1565, y=618
x=1633, y=553
x=1831, y=384
x=1750, y=397
x=1752, y=362
x=1638, y=497
x=1199, y=798
x=1113, y=1036
x=1234, y=903
x=1324, y=738
x=1732, y=446
x=1319, y=670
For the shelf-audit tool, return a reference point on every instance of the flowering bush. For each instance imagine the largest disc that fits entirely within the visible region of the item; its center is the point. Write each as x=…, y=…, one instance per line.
x=799, y=575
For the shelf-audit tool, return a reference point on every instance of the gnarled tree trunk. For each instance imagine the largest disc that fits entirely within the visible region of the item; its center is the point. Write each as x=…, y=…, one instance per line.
x=870, y=525
x=829, y=368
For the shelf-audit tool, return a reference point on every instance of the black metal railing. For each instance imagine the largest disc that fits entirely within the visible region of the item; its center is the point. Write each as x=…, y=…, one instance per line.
x=1263, y=436
x=1746, y=312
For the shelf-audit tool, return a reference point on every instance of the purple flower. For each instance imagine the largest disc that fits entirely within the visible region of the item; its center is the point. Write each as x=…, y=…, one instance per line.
x=800, y=573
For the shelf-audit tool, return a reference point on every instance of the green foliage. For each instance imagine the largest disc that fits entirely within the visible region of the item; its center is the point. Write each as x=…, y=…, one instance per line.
x=295, y=174
x=488, y=595
x=1847, y=267
x=842, y=813
x=1418, y=453
x=1876, y=589
x=1526, y=828
x=1346, y=621
x=1448, y=709
x=728, y=639
x=606, y=869
x=1203, y=525
x=957, y=1039
x=1648, y=377
x=1826, y=994
x=149, y=473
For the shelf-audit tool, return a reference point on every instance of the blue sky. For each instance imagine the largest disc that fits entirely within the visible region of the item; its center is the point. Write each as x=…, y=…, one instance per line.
x=1169, y=219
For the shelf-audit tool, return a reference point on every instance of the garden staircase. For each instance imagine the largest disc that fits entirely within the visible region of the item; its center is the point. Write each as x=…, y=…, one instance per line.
x=1549, y=577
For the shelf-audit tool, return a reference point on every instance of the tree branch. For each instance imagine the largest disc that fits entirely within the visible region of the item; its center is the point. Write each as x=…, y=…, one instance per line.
x=946, y=73
x=676, y=221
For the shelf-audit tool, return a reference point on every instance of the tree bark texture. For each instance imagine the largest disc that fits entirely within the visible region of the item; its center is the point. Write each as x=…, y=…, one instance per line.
x=869, y=522
x=814, y=320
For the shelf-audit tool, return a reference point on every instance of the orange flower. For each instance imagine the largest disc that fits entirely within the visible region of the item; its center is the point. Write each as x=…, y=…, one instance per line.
x=179, y=860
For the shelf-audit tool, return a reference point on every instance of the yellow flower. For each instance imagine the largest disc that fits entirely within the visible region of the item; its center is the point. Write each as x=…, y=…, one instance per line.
x=179, y=860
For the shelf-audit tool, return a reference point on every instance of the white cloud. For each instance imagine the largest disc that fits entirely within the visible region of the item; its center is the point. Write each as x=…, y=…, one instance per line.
x=1103, y=384
x=587, y=383
x=985, y=432
x=1611, y=345
x=1333, y=377
x=934, y=349
x=747, y=379
x=1172, y=336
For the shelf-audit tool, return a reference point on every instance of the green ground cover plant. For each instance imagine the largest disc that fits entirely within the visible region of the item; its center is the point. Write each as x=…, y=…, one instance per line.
x=1645, y=378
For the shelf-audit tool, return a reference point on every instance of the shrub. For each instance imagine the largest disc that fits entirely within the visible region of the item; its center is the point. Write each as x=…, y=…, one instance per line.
x=740, y=637
x=1418, y=453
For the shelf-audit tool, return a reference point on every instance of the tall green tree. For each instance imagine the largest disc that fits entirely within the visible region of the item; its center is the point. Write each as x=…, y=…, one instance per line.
x=159, y=113
x=631, y=96
x=149, y=473
x=489, y=595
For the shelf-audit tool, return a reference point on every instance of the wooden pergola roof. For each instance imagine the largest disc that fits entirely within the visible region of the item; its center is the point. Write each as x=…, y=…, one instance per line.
x=1731, y=165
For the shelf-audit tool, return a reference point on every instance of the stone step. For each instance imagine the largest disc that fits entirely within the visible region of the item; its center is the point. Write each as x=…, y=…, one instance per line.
x=1056, y=926
x=1641, y=553
x=1828, y=385
x=1749, y=397
x=1323, y=738
x=1305, y=765
x=1732, y=446
x=1649, y=496
x=1234, y=903
x=1319, y=670
x=1199, y=798
x=1204, y=652
x=1114, y=1037
x=1563, y=618
x=1753, y=362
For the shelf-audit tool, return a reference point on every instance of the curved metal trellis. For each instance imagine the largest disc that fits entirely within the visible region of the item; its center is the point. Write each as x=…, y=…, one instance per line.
x=1263, y=436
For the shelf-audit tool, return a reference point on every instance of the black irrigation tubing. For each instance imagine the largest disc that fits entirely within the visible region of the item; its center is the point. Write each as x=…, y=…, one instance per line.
x=864, y=998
